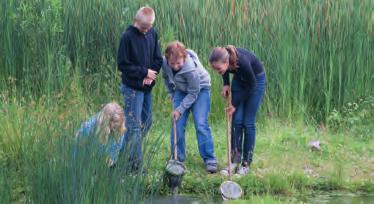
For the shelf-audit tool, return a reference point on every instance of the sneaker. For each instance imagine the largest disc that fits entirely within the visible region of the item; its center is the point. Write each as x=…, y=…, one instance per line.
x=211, y=167
x=225, y=171
x=243, y=169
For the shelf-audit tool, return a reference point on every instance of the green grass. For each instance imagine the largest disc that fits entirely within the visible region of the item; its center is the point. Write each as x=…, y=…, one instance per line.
x=284, y=165
x=36, y=154
x=40, y=162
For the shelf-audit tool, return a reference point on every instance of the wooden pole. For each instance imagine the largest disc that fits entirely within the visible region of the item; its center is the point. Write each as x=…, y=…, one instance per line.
x=175, y=139
x=228, y=103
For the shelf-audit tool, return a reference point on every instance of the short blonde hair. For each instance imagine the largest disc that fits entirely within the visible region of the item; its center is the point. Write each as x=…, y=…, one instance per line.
x=110, y=123
x=144, y=13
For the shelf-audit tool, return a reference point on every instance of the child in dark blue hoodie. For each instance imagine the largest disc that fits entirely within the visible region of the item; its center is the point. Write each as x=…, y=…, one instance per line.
x=139, y=60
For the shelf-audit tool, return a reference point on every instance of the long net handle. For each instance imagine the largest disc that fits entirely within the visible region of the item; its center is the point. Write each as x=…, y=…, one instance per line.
x=228, y=103
x=175, y=138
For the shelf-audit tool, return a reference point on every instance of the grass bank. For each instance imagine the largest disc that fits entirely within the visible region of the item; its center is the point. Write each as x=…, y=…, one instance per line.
x=284, y=165
x=36, y=165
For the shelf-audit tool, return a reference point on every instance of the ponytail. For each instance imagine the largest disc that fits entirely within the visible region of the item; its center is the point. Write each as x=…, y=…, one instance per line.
x=233, y=57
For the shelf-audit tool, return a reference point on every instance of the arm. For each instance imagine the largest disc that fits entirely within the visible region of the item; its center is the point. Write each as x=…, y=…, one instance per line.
x=168, y=85
x=226, y=85
x=125, y=64
x=157, y=58
x=193, y=90
x=114, y=150
x=226, y=78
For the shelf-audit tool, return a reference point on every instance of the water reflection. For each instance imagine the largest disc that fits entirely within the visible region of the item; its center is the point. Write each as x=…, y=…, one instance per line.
x=181, y=199
x=341, y=199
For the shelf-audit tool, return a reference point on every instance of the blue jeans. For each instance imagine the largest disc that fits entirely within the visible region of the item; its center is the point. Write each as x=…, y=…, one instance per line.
x=200, y=111
x=244, y=121
x=138, y=116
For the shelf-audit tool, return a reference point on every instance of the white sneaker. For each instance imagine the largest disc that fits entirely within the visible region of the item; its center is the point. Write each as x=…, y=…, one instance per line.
x=243, y=170
x=225, y=171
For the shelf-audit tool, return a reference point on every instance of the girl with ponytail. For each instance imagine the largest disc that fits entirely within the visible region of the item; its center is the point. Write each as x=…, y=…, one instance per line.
x=247, y=89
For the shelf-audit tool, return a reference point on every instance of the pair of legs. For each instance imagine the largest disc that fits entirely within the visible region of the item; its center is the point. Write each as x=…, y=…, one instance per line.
x=200, y=111
x=138, y=115
x=244, y=121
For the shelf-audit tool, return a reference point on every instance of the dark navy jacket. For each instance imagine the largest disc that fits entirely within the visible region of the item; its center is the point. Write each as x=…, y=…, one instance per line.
x=137, y=53
x=245, y=74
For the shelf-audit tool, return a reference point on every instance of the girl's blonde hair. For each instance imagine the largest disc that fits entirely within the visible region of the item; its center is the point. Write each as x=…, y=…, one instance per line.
x=110, y=123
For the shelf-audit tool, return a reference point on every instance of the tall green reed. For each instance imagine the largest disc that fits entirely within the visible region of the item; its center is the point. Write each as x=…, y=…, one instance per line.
x=317, y=54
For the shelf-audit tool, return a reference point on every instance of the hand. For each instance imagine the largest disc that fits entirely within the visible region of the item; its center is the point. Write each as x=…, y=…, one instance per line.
x=170, y=97
x=230, y=110
x=225, y=91
x=110, y=162
x=176, y=114
x=147, y=81
x=151, y=74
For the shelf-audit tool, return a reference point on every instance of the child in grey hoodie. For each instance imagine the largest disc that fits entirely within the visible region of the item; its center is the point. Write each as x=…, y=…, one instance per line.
x=188, y=86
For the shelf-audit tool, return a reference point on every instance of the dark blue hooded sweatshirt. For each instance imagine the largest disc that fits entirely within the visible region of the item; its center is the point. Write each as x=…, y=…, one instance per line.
x=137, y=53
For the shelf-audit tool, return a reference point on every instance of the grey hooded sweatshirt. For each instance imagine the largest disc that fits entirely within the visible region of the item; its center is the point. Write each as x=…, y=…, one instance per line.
x=190, y=79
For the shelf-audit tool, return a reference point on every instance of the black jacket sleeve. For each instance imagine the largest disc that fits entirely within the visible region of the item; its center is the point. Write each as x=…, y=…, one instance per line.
x=125, y=64
x=226, y=78
x=157, y=58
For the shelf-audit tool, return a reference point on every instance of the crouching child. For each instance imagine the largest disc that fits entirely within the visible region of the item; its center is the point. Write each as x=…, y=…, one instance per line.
x=104, y=130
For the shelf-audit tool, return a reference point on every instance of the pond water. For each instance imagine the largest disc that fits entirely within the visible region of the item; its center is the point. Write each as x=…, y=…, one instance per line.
x=341, y=199
x=181, y=199
x=315, y=199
